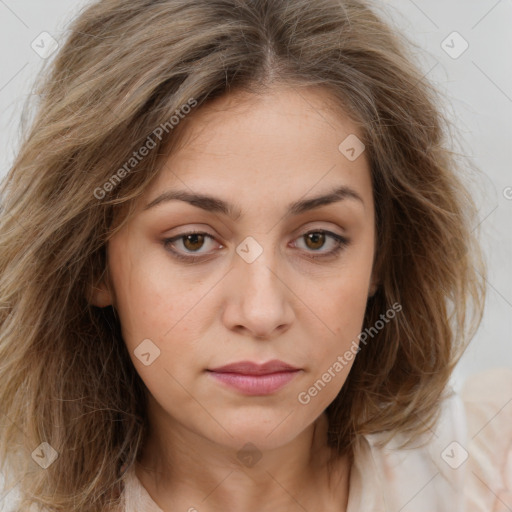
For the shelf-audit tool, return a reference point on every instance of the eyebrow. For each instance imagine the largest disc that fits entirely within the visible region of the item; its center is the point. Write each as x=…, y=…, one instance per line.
x=217, y=205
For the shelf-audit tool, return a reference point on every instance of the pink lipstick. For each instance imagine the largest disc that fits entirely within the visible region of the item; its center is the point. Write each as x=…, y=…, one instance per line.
x=255, y=379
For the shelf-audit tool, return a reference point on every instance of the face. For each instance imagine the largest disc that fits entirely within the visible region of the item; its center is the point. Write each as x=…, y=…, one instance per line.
x=257, y=272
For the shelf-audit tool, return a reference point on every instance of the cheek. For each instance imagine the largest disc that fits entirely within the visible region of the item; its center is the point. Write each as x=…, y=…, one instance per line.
x=141, y=296
x=340, y=302
x=332, y=355
x=152, y=312
x=340, y=305
x=155, y=303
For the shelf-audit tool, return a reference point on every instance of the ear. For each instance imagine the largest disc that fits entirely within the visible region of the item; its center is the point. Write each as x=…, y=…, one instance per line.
x=374, y=285
x=100, y=295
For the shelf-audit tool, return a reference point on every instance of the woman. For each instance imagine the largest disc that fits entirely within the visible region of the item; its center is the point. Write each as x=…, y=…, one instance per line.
x=238, y=270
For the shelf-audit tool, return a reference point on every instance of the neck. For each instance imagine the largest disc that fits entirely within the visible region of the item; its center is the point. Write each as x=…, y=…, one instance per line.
x=184, y=471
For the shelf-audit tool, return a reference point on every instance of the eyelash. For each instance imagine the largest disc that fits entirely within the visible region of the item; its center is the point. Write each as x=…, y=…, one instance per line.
x=341, y=243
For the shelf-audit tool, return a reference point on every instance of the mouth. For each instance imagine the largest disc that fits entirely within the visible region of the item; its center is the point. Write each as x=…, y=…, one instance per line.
x=255, y=379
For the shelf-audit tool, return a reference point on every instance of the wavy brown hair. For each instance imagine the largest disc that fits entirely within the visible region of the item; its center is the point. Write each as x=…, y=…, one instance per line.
x=126, y=68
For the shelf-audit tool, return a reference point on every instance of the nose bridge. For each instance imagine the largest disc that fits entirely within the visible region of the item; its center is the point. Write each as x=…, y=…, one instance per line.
x=259, y=300
x=256, y=268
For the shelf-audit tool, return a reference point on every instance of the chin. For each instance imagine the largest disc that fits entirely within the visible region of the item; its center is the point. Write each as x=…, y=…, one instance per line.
x=264, y=436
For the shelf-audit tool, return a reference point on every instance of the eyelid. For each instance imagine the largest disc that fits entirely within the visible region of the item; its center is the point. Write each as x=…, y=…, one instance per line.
x=190, y=259
x=341, y=242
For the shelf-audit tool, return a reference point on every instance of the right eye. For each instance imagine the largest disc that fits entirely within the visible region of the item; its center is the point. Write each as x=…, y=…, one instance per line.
x=192, y=242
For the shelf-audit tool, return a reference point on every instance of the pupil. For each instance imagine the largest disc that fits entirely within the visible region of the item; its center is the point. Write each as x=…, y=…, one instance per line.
x=195, y=238
x=315, y=238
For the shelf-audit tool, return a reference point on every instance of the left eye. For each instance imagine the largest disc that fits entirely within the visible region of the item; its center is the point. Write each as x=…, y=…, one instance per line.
x=314, y=240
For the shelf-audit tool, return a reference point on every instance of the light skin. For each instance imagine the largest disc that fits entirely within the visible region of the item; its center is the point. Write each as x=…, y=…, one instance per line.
x=259, y=153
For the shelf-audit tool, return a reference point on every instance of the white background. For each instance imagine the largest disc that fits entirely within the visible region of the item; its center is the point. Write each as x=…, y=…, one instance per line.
x=477, y=85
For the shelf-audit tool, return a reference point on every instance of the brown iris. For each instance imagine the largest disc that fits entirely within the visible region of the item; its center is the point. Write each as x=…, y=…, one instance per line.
x=316, y=238
x=197, y=240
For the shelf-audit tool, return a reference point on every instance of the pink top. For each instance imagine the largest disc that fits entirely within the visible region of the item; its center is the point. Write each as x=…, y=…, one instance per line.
x=465, y=465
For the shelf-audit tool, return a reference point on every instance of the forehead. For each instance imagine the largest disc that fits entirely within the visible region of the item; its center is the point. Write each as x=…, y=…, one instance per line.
x=275, y=146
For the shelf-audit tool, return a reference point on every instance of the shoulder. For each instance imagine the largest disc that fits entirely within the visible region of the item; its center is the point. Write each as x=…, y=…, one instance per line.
x=418, y=477
x=9, y=496
x=135, y=497
x=487, y=399
x=460, y=466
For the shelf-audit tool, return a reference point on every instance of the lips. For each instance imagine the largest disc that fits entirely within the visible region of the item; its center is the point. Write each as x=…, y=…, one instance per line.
x=255, y=379
x=250, y=368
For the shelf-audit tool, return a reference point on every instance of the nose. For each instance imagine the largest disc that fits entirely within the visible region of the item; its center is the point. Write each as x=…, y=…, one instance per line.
x=257, y=298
